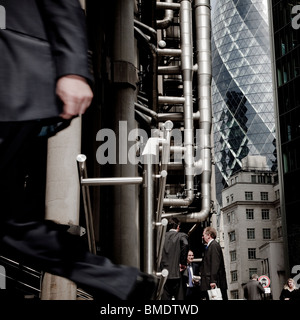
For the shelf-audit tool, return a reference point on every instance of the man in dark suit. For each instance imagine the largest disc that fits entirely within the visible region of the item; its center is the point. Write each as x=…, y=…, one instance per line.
x=174, y=260
x=253, y=290
x=212, y=269
x=191, y=279
x=45, y=81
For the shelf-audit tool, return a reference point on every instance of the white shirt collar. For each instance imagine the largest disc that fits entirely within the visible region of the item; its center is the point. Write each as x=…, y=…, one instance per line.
x=210, y=242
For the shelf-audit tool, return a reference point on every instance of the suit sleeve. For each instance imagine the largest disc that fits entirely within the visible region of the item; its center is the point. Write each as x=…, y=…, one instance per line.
x=215, y=263
x=184, y=247
x=245, y=292
x=261, y=288
x=66, y=30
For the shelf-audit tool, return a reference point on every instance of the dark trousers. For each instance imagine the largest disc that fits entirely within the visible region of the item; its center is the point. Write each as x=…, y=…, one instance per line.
x=173, y=288
x=44, y=244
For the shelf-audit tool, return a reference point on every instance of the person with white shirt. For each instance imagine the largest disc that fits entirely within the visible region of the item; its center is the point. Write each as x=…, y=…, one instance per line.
x=191, y=279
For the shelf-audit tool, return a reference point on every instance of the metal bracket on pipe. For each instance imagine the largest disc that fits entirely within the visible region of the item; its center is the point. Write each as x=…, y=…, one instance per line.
x=163, y=278
x=85, y=183
x=76, y=230
x=163, y=179
x=81, y=159
x=168, y=126
x=161, y=239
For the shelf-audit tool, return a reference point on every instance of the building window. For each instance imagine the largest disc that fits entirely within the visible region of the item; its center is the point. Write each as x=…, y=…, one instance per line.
x=232, y=255
x=250, y=233
x=234, y=294
x=227, y=200
x=234, y=275
x=266, y=234
x=277, y=194
x=253, y=179
x=265, y=214
x=279, y=232
x=248, y=195
x=261, y=179
x=231, y=197
x=264, y=196
x=249, y=214
x=269, y=179
x=252, y=271
x=251, y=253
x=232, y=216
x=228, y=217
x=231, y=236
x=278, y=212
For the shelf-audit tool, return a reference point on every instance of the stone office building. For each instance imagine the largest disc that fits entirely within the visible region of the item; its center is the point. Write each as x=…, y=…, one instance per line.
x=252, y=229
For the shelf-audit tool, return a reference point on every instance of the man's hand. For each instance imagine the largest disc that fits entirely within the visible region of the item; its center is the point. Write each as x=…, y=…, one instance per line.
x=182, y=267
x=75, y=93
x=213, y=285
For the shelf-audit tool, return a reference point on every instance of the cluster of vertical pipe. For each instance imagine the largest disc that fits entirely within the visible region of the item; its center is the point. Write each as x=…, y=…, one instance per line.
x=204, y=115
x=204, y=77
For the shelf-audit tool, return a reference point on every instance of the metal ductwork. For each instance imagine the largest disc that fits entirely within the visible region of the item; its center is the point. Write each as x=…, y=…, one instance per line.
x=172, y=100
x=204, y=77
x=180, y=106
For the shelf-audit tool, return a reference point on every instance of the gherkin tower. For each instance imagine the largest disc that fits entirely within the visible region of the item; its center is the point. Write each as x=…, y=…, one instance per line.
x=242, y=91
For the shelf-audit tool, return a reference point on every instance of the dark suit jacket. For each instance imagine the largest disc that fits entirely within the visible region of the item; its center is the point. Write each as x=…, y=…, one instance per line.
x=253, y=290
x=212, y=268
x=196, y=272
x=43, y=41
x=185, y=274
x=174, y=253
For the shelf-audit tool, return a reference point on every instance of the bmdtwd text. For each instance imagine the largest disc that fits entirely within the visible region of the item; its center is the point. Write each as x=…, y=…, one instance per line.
x=147, y=309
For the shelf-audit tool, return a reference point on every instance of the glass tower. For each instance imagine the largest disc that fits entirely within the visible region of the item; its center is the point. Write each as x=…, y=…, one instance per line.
x=242, y=91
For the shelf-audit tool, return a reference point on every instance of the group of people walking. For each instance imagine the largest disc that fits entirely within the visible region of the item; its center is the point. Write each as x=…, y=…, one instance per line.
x=188, y=280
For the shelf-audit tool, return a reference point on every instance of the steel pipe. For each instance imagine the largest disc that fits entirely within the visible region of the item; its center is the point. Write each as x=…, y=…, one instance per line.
x=169, y=70
x=168, y=5
x=203, y=45
x=81, y=161
x=187, y=71
x=169, y=52
x=148, y=215
x=172, y=100
x=168, y=126
x=161, y=239
x=162, y=280
x=168, y=18
x=176, y=116
x=111, y=181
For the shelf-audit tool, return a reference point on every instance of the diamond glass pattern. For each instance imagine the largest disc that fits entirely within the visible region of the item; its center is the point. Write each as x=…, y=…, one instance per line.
x=242, y=92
